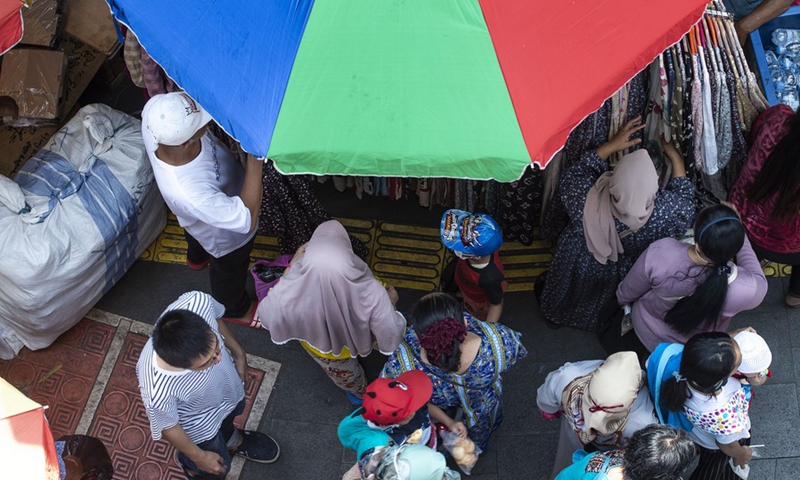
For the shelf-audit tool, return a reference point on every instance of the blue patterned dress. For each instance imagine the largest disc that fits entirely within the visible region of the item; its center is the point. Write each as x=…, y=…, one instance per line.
x=477, y=391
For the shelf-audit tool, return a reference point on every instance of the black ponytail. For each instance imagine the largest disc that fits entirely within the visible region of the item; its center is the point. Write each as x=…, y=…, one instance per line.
x=707, y=359
x=720, y=236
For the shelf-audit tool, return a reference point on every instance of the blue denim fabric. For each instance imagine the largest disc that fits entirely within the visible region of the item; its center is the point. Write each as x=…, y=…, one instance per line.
x=218, y=444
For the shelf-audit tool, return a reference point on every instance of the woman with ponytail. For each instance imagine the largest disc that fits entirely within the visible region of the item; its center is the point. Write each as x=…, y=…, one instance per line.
x=692, y=388
x=767, y=192
x=464, y=358
x=678, y=289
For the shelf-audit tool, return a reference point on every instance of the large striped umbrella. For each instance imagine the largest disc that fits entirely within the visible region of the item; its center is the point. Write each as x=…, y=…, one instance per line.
x=448, y=88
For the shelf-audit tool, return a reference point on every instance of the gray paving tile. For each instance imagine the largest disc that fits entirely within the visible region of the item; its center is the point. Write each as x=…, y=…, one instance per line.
x=783, y=368
x=762, y=469
x=308, y=450
x=776, y=290
x=520, y=414
x=775, y=421
x=527, y=457
x=772, y=325
x=786, y=469
x=303, y=393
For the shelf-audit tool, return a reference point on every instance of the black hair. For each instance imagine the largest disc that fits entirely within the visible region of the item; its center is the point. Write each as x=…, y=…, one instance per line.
x=720, y=242
x=658, y=452
x=708, y=358
x=180, y=337
x=781, y=173
x=431, y=309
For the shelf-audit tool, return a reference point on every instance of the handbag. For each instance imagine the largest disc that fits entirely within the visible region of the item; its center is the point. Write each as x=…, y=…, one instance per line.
x=266, y=274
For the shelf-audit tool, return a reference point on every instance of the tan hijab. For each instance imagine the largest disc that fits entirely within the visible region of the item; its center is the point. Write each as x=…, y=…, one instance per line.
x=627, y=193
x=330, y=299
x=600, y=403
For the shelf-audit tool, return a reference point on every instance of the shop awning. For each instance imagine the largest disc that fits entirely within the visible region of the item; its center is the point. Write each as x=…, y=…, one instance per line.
x=447, y=88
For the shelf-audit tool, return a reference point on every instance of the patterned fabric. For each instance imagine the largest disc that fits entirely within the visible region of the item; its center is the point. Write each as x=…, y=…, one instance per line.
x=346, y=374
x=477, y=391
x=615, y=459
x=521, y=206
x=730, y=419
x=291, y=211
x=770, y=128
x=155, y=80
x=132, y=54
x=575, y=270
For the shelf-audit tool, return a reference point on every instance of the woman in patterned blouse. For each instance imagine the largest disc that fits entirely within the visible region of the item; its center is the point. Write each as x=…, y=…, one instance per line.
x=463, y=357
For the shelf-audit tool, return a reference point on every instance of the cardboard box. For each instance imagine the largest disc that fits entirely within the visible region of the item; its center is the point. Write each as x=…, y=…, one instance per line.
x=19, y=144
x=34, y=79
x=41, y=21
x=90, y=21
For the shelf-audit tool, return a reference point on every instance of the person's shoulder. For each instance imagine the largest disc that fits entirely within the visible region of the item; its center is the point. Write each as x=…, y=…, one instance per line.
x=667, y=245
x=199, y=303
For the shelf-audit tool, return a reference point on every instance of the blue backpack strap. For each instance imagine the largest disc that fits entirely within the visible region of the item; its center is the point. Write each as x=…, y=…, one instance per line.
x=656, y=369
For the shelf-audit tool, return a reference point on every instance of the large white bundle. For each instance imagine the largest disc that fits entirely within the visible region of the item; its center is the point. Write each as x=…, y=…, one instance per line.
x=73, y=221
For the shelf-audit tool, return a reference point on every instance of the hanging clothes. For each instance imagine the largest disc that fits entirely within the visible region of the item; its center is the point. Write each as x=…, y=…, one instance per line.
x=291, y=211
x=521, y=205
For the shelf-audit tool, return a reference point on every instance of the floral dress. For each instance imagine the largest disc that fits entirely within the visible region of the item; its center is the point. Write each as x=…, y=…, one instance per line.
x=477, y=391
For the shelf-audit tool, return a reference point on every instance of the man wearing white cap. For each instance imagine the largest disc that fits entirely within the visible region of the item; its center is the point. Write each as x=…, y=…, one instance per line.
x=216, y=201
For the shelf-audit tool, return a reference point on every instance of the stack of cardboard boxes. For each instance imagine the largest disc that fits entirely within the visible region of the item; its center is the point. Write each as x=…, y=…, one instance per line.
x=65, y=43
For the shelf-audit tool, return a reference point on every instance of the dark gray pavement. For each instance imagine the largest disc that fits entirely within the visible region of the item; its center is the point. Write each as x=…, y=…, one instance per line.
x=305, y=407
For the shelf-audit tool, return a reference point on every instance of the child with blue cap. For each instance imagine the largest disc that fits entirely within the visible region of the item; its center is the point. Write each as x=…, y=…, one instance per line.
x=476, y=240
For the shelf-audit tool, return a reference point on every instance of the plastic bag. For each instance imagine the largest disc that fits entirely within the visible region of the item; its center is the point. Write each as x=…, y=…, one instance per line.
x=744, y=472
x=464, y=451
x=86, y=458
x=266, y=274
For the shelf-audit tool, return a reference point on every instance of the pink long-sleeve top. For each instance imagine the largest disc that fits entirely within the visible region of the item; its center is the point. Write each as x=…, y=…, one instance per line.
x=664, y=273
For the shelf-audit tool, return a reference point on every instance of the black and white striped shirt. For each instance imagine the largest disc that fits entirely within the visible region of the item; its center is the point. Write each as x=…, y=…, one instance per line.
x=199, y=401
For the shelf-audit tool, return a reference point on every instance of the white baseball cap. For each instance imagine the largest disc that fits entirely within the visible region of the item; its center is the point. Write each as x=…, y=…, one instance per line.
x=756, y=355
x=174, y=118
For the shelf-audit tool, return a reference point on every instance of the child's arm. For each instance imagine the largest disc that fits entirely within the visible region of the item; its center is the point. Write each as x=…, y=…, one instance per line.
x=438, y=415
x=494, y=313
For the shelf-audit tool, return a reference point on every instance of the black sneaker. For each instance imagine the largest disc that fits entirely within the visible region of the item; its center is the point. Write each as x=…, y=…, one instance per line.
x=257, y=447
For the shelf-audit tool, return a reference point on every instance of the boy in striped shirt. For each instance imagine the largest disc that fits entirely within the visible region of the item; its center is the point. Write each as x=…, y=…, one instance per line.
x=191, y=375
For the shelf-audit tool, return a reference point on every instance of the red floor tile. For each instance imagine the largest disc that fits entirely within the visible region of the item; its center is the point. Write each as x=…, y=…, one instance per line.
x=122, y=425
x=62, y=375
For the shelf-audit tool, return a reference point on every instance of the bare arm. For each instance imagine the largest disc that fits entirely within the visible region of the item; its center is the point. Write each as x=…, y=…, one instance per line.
x=740, y=453
x=678, y=166
x=438, y=415
x=237, y=350
x=768, y=10
x=494, y=313
x=208, y=462
x=622, y=139
x=252, y=189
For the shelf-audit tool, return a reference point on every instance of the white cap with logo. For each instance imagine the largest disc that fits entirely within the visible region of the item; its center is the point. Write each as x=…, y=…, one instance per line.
x=174, y=118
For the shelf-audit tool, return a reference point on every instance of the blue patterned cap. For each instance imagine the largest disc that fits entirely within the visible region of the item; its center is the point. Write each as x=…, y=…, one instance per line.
x=476, y=234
